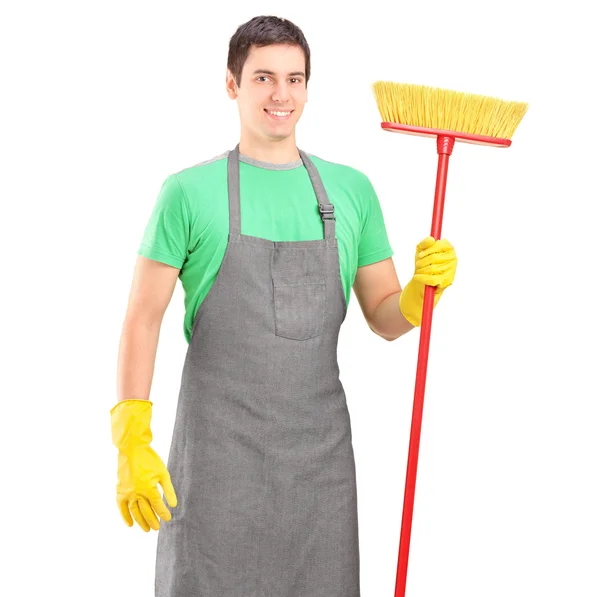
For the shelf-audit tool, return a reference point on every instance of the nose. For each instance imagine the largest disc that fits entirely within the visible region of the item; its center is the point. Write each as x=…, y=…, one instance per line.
x=281, y=93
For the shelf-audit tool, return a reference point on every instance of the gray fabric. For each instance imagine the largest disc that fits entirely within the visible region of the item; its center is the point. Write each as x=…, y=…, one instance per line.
x=254, y=162
x=261, y=457
x=270, y=165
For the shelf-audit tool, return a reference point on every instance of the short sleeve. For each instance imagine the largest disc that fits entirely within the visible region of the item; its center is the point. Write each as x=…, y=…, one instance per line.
x=374, y=244
x=167, y=233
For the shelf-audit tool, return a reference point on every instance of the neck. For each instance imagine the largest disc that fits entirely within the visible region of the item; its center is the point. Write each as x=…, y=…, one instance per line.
x=276, y=151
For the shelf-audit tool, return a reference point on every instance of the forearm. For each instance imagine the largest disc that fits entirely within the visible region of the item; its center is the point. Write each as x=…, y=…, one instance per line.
x=387, y=321
x=137, y=356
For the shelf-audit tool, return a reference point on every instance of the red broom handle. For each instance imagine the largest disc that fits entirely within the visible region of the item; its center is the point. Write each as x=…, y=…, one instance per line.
x=445, y=145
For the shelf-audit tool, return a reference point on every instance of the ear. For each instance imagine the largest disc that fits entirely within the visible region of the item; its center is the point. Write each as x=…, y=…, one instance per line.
x=230, y=85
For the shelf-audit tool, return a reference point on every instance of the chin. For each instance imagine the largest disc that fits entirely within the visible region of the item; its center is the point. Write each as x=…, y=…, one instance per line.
x=278, y=136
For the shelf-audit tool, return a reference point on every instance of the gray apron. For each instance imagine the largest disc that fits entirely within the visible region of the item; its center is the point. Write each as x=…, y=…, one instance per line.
x=261, y=458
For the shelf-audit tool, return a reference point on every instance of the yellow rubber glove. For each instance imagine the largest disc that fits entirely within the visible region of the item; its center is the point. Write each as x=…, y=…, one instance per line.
x=140, y=469
x=435, y=265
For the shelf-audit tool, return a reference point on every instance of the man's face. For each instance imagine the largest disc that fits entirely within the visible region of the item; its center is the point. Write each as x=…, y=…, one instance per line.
x=273, y=79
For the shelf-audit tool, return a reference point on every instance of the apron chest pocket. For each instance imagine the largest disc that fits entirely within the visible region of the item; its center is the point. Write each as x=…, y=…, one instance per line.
x=300, y=307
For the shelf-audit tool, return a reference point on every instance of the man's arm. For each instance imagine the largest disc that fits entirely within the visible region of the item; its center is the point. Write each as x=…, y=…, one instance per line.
x=377, y=290
x=151, y=290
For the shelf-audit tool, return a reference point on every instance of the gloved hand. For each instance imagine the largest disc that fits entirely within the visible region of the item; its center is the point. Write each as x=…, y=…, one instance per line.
x=139, y=467
x=435, y=265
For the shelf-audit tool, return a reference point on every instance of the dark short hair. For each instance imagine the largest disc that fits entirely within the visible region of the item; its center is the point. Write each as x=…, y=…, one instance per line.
x=264, y=31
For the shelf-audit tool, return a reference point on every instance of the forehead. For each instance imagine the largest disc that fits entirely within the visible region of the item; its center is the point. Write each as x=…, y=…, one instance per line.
x=279, y=58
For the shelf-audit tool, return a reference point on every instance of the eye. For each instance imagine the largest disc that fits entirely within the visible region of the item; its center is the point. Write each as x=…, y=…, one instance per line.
x=261, y=77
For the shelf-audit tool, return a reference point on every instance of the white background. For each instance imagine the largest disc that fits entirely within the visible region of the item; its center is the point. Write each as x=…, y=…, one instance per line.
x=102, y=100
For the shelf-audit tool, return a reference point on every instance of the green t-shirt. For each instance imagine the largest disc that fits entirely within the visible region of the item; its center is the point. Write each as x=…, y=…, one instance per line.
x=189, y=224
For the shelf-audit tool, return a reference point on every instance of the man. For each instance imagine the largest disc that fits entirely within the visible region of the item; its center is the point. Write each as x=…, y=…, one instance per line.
x=267, y=242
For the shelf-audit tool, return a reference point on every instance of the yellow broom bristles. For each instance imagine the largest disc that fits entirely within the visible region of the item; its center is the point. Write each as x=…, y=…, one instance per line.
x=432, y=107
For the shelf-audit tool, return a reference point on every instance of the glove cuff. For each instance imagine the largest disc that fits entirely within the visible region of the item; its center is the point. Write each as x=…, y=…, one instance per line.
x=408, y=303
x=407, y=316
x=130, y=422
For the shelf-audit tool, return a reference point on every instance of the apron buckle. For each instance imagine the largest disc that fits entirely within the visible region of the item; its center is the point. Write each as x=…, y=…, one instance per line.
x=326, y=208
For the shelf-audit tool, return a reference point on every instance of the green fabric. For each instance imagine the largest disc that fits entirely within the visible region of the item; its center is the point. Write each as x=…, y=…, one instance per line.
x=189, y=223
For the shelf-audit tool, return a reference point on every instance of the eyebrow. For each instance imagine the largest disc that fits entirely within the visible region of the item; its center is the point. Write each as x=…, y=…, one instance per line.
x=270, y=72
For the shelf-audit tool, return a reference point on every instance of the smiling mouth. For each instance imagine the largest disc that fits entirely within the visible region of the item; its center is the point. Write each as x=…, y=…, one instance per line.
x=276, y=117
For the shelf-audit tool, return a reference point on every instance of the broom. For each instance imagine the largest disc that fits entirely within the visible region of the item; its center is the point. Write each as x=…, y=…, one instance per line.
x=448, y=116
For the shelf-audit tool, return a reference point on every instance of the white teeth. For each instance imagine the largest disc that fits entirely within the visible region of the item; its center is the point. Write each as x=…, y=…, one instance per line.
x=278, y=113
